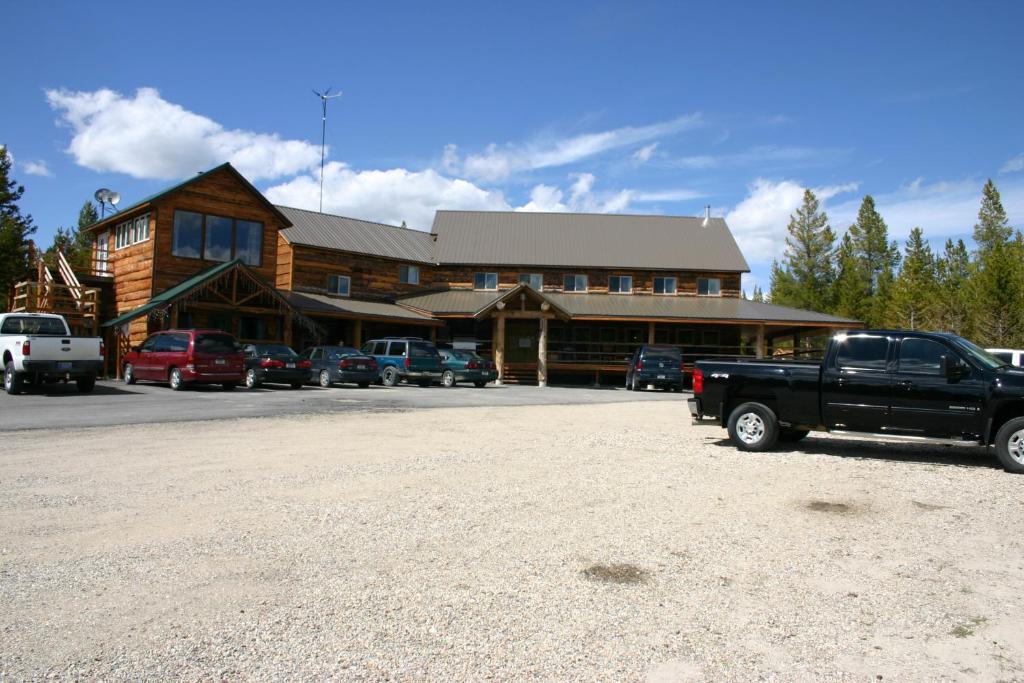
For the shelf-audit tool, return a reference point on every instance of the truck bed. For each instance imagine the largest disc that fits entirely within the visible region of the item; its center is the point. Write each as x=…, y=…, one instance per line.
x=789, y=387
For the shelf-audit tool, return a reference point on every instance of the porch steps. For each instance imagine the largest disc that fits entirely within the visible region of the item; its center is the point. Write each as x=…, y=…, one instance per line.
x=514, y=374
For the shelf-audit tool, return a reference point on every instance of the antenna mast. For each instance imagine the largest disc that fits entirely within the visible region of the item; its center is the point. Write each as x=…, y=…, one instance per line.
x=324, y=96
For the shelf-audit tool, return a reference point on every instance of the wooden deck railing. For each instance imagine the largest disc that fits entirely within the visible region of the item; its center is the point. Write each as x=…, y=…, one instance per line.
x=49, y=297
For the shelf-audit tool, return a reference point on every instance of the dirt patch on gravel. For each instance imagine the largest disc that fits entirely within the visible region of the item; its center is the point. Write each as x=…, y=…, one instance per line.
x=826, y=506
x=616, y=573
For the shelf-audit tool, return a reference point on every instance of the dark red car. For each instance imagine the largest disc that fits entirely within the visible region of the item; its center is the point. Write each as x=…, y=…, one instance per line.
x=184, y=357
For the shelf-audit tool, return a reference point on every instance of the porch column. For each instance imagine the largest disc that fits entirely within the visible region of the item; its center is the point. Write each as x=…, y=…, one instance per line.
x=433, y=335
x=499, y=348
x=287, y=332
x=796, y=346
x=650, y=332
x=542, y=354
x=357, y=333
x=761, y=353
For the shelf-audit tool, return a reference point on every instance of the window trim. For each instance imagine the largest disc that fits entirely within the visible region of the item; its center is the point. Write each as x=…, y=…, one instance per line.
x=234, y=237
x=620, y=277
x=126, y=233
x=409, y=269
x=710, y=279
x=346, y=278
x=586, y=284
x=485, y=288
x=675, y=285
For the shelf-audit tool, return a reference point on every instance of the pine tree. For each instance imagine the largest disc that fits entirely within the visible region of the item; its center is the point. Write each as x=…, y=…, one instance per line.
x=804, y=278
x=15, y=230
x=76, y=245
x=847, y=297
x=953, y=272
x=758, y=294
x=869, y=275
x=996, y=284
x=913, y=301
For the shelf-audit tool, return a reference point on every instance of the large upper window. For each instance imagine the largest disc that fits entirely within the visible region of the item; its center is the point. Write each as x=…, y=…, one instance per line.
x=131, y=232
x=664, y=285
x=620, y=284
x=485, y=281
x=575, y=283
x=216, y=238
x=409, y=275
x=534, y=280
x=862, y=352
x=339, y=284
x=709, y=286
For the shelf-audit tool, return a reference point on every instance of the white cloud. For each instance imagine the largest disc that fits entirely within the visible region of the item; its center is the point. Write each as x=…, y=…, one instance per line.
x=146, y=136
x=582, y=198
x=644, y=154
x=388, y=196
x=38, y=168
x=759, y=221
x=681, y=195
x=760, y=155
x=1013, y=165
x=498, y=162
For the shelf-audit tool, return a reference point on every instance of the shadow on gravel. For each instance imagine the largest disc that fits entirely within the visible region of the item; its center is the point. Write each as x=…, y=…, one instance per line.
x=616, y=573
x=825, y=506
x=61, y=390
x=948, y=456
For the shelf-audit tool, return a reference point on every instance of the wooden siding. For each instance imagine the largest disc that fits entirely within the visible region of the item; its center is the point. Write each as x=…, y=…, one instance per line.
x=132, y=267
x=285, y=255
x=597, y=279
x=372, y=277
x=218, y=194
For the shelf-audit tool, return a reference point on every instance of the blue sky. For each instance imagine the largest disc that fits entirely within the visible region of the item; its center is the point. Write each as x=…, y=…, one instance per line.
x=630, y=107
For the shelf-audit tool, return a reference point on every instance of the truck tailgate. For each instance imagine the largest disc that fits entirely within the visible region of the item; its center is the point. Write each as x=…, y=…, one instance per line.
x=64, y=348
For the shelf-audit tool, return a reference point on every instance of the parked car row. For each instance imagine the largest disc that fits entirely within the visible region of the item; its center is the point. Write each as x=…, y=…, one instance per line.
x=188, y=357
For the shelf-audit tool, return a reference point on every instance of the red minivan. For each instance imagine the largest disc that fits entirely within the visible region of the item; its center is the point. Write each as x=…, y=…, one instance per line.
x=183, y=357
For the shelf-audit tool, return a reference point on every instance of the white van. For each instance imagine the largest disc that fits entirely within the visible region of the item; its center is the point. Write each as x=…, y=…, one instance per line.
x=1011, y=356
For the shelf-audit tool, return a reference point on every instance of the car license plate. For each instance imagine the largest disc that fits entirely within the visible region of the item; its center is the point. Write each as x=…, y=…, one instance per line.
x=289, y=365
x=220, y=361
x=360, y=367
x=64, y=365
x=661, y=376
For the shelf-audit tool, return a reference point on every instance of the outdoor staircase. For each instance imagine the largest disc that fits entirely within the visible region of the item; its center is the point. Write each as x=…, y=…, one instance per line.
x=520, y=373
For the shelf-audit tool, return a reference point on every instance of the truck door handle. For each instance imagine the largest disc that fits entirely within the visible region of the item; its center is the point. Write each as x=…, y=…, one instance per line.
x=840, y=381
x=907, y=384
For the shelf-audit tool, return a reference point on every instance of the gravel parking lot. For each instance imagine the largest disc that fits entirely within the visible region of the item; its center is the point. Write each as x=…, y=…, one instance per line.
x=600, y=542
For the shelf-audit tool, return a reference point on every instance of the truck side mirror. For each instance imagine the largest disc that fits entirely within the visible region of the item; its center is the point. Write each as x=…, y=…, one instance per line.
x=951, y=367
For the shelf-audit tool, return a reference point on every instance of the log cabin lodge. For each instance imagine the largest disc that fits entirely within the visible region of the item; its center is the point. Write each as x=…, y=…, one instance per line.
x=559, y=296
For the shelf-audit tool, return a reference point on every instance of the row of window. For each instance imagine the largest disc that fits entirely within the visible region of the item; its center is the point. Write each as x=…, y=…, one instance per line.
x=617, y=284
x=131, y=232
x=341, y=285
x=217, y=238
x=916, y=356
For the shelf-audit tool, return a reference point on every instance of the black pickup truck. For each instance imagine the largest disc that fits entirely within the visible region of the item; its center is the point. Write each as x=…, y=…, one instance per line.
x=911, y=385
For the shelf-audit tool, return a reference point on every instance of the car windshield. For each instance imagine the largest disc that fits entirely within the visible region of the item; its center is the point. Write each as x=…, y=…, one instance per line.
x=273, y=350
x=31, y=325
x=422, y=350
x=336, y=352
x=978, y=354
x=215, y=343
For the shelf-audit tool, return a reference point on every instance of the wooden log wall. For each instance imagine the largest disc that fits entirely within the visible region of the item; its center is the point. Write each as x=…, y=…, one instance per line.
x=372, y=277
x=132, y=267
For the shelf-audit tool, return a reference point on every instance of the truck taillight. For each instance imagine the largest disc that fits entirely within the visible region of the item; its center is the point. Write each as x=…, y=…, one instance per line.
x=408, y=362
x=103, y=350
x=26, y=348
x=698, y=381
x=639, y=365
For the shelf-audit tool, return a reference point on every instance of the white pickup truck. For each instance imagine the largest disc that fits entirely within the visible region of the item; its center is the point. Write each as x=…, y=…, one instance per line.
x=38, y=348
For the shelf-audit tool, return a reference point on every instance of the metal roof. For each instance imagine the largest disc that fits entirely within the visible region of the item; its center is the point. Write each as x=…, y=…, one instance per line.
x=362, y=237
x=585, y=240
x=311, y=304
x=646, y=306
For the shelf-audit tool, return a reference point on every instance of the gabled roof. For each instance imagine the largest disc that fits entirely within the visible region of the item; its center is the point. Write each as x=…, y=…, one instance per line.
x=355, y=308
x=578, y=240
x=115, y=218
x=327, y=231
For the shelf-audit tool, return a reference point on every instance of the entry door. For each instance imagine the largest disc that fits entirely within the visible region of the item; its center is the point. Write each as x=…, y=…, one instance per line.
x=925, y=402
x=855, y=389
x=521, y=341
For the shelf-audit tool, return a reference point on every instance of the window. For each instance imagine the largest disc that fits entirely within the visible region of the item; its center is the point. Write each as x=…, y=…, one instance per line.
x=485, y=281
x=131, y=232
x=252, y=328
x=664, y=285
x=187, y=240
x=397, y=348
x=620, y=284
x=533, y=280
x=575, y=283
x=711, y=338
x=102, y=251
x=709, y=286
x=149, y=344
x=863, y=352
x=422, y=350
x=409, y=275
x=24, y=324
x=215, y=343
x=921, y=356
x=1005, y=356
x=216, y=238
x=339, y=284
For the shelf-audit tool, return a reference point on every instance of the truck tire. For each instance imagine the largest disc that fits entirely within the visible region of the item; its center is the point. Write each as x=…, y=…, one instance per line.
x=1010, y=445
x=86, y=384
x=390, y=376
x=14, y=381
x=753, y=427
x=792, y=435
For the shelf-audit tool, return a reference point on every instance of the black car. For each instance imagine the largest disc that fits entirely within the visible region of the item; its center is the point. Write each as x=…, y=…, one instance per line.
x=655, y=364
x=331, y=364
x=274, y=364
x=889, y=383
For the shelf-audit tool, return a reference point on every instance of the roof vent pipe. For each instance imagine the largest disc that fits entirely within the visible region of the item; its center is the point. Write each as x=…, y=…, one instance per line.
x=707, y=216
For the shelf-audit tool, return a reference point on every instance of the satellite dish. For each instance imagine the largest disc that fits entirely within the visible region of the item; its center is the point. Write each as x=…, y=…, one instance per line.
x=102, y=195
x=114, y=198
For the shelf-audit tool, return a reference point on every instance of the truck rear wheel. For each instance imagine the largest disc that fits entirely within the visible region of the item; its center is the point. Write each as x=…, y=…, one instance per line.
x=753, y=427
x=1010, y=445
x=14, y=381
